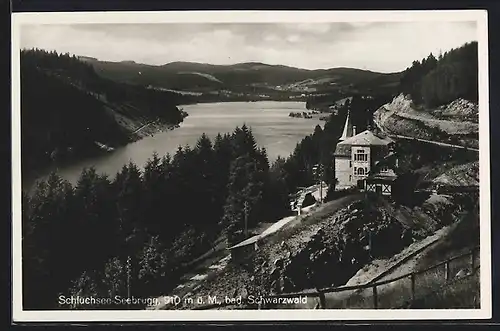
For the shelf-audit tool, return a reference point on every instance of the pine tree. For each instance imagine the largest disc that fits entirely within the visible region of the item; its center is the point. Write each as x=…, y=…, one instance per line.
x=207, y=187
x=153, y=199
x=246, y=183
x=128, y=184
x=45, y=217
x=152, y=267
x=435, y=82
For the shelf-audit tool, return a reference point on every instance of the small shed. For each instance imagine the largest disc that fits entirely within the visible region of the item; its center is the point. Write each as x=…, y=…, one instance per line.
x=245, y=249
x=381, y=182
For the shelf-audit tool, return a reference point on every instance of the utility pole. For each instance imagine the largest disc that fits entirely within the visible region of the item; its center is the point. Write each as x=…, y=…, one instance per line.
x=370, y=242
x=320, y=183
x=246, y=219
x=128, y=281
x=318, y=172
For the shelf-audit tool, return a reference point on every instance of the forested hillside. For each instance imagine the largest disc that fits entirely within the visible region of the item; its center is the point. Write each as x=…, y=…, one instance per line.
x=437, y=81
x=190, y=75
x=66, y=107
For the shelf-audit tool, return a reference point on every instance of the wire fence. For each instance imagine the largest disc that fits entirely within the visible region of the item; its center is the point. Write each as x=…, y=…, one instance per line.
x=398, y=292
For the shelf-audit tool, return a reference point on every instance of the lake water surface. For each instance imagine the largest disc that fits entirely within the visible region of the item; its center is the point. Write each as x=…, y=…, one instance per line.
x=269, y=121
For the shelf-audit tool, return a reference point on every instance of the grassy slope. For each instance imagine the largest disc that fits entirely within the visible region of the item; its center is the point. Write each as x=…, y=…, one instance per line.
x=461, y=294
x=458, y=293
x=432, y=291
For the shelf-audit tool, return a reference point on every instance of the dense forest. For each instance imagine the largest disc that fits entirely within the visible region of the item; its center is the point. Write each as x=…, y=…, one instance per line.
x=437, y=81
x=66, y=107
x=77, y=240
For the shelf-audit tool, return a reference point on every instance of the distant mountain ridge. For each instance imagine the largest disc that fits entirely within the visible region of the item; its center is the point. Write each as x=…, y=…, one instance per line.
x=247, y=77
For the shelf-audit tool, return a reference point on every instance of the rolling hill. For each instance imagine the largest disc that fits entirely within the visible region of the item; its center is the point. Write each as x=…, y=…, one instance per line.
x=250, y=78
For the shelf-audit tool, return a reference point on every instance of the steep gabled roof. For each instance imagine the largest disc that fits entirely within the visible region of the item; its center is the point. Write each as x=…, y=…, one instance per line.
x=389, y=175
x=365, y=138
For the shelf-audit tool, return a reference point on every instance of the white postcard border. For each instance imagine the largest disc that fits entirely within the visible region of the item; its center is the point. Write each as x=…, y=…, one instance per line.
x=479, y=16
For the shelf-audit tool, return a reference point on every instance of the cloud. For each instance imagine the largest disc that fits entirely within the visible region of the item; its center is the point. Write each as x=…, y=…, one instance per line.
x=360, y=24
x=378, y=46
x=293, y=38
x=317, y=28
x=271, y=38
x=224, y=35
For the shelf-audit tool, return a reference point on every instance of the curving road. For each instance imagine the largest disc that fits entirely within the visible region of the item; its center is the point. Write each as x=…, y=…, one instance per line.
x=377, y=124
x=432, y=142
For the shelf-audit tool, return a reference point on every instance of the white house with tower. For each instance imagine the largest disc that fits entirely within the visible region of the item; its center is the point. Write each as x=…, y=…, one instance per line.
x=360, y=155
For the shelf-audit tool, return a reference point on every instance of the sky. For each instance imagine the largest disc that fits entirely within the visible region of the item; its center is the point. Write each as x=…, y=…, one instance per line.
x=376, y=46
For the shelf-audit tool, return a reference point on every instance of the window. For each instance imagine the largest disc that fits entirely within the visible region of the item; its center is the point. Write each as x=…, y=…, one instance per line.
x=350, y=164
x=350, y=177
x=384, y=168
x=361, y=171
x=360, y=155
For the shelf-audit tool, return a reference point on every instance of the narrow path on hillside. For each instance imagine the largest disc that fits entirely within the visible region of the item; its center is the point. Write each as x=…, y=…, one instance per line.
x=379, y=124
x=433, y=142
x=214, y=266
x=142, y=127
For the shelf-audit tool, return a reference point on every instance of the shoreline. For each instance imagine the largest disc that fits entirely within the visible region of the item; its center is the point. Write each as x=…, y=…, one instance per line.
x=29, y=180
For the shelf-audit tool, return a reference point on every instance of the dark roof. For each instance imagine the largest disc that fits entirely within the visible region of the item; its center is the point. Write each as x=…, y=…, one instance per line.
x=378, y=176
x=381, y=178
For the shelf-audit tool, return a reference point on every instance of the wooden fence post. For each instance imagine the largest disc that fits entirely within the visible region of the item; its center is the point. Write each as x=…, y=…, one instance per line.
x=412, y=279
x=322, y=300
x=375, y=297
x=447, y=270
x=472, y=260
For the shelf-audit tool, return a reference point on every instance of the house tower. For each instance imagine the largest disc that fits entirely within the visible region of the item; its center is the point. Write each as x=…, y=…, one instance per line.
x=349, y=130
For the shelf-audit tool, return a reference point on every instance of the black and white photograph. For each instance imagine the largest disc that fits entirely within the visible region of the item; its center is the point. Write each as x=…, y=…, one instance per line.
x=250, y=166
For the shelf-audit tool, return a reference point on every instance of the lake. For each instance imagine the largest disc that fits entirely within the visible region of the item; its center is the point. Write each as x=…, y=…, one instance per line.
x=269, y=121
